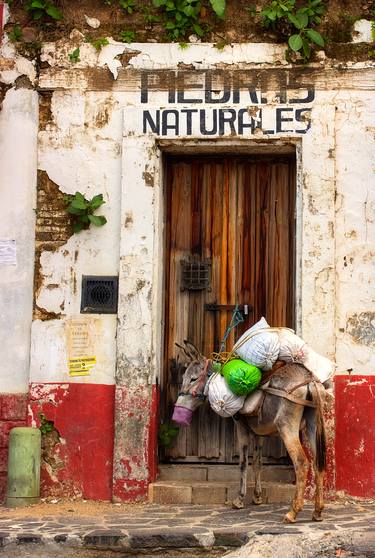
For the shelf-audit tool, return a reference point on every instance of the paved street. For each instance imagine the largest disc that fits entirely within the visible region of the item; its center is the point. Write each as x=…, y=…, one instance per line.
x=71, y=531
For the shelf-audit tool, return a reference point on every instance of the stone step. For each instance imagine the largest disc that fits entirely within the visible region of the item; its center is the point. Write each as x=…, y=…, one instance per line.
x=222, y=473
x=207, y=493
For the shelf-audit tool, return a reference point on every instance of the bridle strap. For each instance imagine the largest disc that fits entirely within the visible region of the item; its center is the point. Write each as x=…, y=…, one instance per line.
x=201, y=380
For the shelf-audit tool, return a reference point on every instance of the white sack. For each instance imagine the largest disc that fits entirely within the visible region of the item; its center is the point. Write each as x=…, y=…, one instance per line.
x=252, y=402
x=322, y=367
x=294, y=349
x=260, y=349
x=222, y=400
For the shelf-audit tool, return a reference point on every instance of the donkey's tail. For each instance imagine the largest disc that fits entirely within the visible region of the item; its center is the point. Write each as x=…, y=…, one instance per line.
x=320, y=431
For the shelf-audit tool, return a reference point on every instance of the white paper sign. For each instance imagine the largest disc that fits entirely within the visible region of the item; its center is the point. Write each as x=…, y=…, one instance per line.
x=8, y=252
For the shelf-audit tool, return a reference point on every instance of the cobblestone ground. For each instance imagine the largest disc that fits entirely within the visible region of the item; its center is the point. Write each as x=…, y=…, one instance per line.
x=347, y=530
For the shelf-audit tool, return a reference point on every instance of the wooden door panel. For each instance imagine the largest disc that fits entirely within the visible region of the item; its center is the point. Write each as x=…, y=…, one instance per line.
x=238, y=214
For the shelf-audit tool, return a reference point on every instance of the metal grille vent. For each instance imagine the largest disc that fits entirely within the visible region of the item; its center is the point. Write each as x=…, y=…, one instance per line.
x=195, y=276
x=99, y=295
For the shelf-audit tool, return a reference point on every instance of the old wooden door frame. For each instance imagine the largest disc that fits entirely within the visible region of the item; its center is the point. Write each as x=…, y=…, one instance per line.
x=140, y=338
x=152, y=217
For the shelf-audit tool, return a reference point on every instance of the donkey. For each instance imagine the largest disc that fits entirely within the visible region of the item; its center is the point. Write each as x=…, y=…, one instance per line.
x=286, y=410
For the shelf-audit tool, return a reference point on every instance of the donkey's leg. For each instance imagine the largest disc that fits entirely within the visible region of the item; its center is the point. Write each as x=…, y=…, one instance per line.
x=301, y=467
x=309, y=415
x=243, y=443
x=257, y=468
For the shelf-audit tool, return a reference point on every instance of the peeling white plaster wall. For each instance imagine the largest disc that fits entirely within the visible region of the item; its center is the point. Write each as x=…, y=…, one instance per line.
x=355, y=232
x=78, y=154
x=18, y=155
x=80, y=151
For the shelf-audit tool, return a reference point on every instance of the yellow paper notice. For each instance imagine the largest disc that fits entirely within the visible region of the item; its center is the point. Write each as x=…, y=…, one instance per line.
x=81, y=366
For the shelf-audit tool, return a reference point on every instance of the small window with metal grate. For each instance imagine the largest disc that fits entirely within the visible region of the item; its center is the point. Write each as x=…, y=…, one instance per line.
x=195, y=275
x=99, y=295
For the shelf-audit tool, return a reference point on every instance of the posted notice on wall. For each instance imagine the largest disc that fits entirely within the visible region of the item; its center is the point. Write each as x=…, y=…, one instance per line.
x=81, y=341
x=8, y=252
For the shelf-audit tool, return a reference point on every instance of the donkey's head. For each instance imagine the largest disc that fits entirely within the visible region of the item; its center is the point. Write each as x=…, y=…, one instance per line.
x=194, y=380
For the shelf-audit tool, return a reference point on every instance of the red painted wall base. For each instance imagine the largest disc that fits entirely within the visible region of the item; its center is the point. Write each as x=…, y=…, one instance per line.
x=77, y=458
x=135, y=456
x=355, y=435
x=13, y=410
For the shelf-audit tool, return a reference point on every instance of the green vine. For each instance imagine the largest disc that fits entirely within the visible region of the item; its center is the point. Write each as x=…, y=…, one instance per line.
x=43, y=9
x=82, y=209
x=74, y=56
x=99, y=43
x=294, y=24
x=46, y=426
x=127, y=36
x=166, y=435
x=184, y=17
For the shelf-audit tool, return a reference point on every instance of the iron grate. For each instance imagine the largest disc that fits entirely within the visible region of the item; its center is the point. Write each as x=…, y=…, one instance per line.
x=195, y=276
x=99, y=295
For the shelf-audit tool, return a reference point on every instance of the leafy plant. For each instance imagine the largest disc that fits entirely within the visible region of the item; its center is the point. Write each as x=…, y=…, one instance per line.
x=218, y=7
x=15, y=34
x=166, y=435
x=74, y=56
x=182, y=17
x=82, y=211
x=284, y=17
x=127, y=36
x=127, y=6
x=46, y=425
x=149, y=17
x=98, y=44
x=41, y=9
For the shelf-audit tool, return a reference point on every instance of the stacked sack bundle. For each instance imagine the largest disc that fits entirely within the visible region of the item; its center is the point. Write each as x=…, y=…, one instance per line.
x=259, y=348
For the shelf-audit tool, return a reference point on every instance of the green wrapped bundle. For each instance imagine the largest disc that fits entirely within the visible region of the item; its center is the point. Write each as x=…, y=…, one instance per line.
x=242, y=378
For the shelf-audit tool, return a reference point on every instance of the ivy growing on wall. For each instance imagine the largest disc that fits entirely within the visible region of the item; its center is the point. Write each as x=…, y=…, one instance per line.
x=305, y=25
x=294, y=23
x=184, y=17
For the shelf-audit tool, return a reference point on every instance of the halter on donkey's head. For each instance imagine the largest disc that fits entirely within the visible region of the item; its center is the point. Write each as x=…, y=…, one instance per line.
x=192, y=388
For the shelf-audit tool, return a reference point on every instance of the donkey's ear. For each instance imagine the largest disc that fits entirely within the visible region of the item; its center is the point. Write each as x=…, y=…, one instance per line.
x=197, y=355
x=188, y=355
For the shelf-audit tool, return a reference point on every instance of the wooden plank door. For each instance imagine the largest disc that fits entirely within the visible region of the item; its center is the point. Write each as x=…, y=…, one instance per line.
x=237, y=215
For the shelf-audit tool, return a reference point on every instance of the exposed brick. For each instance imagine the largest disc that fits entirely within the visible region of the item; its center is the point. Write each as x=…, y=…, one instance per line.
x=3, y=460
x=14, y=406
x=5, y=428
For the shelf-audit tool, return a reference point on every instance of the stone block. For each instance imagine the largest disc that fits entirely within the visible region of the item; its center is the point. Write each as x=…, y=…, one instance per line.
x=225, y=473
x=209, y=493
x=172, y=538
x=278, y=474
x=106, y=539
x=182, y=473
x=231, y=473
x=232, y=493
x=230, y=537
x=169, y=493
x=279, y=493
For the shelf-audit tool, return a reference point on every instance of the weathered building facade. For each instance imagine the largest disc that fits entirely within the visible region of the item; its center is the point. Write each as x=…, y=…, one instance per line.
x=113, y=124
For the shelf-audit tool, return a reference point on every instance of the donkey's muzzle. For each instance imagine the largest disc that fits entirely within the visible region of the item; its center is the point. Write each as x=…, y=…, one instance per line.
x=182, y=415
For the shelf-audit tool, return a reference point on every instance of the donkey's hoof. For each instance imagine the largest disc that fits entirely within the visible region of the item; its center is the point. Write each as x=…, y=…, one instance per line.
x=317, y=516
x=238, y=504
x=257, y=500
x=289, y=518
